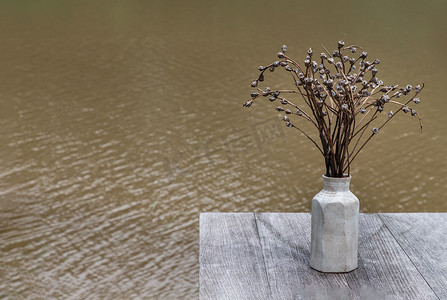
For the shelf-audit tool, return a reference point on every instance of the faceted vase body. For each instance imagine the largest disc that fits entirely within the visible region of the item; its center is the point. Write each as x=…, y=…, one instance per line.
x=334, y=235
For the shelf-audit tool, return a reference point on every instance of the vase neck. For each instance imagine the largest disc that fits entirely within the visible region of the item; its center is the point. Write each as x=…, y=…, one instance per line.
x=335, y=184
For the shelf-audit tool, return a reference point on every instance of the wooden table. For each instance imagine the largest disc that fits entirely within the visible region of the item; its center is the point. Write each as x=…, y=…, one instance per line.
x=266, y=256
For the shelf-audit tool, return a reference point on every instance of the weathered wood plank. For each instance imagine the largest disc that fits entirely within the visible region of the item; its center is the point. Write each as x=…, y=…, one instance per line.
x=384, y=269
x=230, y=259
x=387, y=267
x=423, y=237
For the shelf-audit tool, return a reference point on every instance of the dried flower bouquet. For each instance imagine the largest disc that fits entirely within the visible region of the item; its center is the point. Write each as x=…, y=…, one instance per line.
x=342, y=97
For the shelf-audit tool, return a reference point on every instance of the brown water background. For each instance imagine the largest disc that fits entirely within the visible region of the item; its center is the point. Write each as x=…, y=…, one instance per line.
x=122, y=120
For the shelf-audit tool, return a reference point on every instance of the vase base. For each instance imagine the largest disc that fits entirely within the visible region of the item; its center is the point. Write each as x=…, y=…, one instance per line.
x=333, y=271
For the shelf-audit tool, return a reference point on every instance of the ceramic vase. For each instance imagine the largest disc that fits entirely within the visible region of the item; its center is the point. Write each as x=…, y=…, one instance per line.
x=334, y=232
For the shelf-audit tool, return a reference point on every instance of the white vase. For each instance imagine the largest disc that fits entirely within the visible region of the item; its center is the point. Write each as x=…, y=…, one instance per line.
x=334, y=235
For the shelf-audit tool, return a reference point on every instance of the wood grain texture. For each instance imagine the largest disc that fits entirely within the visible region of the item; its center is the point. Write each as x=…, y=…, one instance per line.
x=266, y=256
x=423, y=237
x=230, y=259
x=384, y=272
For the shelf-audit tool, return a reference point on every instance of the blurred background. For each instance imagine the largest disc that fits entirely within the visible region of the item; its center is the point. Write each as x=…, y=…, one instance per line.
x=122, y=120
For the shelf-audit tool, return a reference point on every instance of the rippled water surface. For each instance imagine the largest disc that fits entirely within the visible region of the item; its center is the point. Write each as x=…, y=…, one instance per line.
x=121, y=121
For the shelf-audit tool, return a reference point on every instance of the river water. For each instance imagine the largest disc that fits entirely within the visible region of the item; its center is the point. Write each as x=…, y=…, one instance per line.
x=122, y=120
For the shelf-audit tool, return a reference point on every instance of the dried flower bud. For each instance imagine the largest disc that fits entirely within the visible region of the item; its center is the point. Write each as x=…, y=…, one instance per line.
x=284, y=101
x=362, y=110
x=385, y=98
x=272, y=99
x=336, y=53
x=340, y=44
x=254, y=83
x=254, y=94
x=390, y=114
x=353, y=49
x=413, y=112
x=288, y=124
x=276, y=63
x=280, y=55
x=262, y=68
x=261, y=77
x=344, y=106
x=364, y=54
x=279, y=108
x=376, y=61
x=324, y=113
x=299, y=112
x=416, y=100
x=272, y=68
x=275, y=93
x=284, y=48
x=330, y=60
x=283, y=64
x=285, y=118
x=307, y=62
x=345, y=58
x=288, y=111
x=405, y=109
x=374, y=71
x=339, y=65
x=248, y=103
x=408, y=88
x=323, y=56
x=353, y=68
x=310, y=52
x=417, y=88
x=375, y=130
x=289, y=68
x=380, y=108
